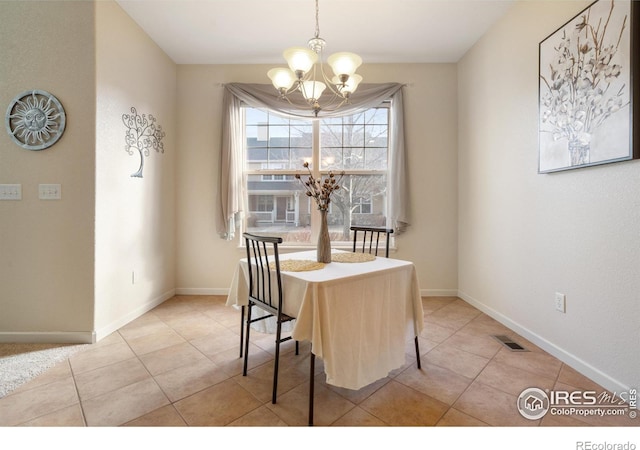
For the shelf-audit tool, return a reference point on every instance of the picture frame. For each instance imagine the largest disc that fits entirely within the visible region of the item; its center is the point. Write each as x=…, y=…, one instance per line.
x=589, y=83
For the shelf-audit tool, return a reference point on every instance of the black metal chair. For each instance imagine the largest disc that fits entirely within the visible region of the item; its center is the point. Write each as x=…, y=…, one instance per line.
x=370, y=243
x=371, y=239
x=265, y=292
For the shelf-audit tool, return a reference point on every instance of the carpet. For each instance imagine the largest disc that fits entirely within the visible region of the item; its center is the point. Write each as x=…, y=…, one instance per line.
x=20, y=363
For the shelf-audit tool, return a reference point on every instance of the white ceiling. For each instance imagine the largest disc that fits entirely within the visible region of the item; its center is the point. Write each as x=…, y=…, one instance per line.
x=257, y=31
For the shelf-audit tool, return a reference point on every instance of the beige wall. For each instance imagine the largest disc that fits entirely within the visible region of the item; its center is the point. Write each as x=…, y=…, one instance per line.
x=135, y=217
x=524, y=236
x=46, y=247
x=76, y=269
x=206, y=263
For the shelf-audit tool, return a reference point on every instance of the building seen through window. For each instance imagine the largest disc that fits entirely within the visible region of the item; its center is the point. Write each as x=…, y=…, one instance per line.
x=277, y=148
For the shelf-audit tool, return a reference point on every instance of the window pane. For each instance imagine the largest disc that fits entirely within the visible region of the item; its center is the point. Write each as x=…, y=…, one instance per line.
x=278, y=207
x=331, y=136
x=344, y=139
x=356, y=118
x=278, y=158
x=354, y=135
x=331, y=121
x=256, y=135
x=298, y=122
x=275, y=119
x=354, y=159
x=331, y=159
x=299, y=156
x=256, y=155
x=301, y=135
x=361, y=201
x=376, y=158
x=255, y=116
x=278, y=135
x=376, y=136
x=377, y=116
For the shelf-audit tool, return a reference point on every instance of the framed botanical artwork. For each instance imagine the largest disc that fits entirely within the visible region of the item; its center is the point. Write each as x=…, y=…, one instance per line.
x=589, y=83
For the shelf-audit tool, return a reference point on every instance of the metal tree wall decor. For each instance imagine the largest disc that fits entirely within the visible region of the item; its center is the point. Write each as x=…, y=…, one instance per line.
x=35, y=120
x=142, y=134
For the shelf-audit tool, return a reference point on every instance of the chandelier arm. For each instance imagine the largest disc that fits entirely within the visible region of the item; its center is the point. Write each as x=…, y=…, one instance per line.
x=336, y=94
x=284, y=97
x=336, y=89
x=329, y=107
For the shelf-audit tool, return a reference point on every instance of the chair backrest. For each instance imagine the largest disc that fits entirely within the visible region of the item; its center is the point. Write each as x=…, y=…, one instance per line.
x=370, y=239
x=265, y=282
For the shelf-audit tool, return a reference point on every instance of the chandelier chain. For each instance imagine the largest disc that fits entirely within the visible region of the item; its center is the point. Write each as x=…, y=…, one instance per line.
x=317, y=20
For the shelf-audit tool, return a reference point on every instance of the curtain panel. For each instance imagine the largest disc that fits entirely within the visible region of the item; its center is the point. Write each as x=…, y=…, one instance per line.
x=232, y=196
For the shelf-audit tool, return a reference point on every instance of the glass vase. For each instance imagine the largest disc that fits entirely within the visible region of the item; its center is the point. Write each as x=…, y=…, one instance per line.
x=324, y=241
x=579, y=152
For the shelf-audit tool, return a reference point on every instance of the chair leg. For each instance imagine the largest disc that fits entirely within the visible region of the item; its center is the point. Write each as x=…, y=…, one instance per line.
x=312, y=370
x=297, y=348
x=241, y=329
x=246, y=342
x=275, y=364
x=418, y=353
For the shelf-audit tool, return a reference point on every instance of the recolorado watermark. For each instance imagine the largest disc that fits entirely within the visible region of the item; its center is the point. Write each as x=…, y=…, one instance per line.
x=535, y=403
x=588, y=445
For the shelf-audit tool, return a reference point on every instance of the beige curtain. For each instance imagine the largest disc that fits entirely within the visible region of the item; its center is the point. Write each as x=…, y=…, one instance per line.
x=264, y=96
x=231, y=199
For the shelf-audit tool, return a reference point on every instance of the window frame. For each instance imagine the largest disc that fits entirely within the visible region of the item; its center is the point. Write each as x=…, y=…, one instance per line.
x=315, y=167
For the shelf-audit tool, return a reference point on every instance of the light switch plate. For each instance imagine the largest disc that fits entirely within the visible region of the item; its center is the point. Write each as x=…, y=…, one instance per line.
x=49, y=192
x=10, y=192
x=561, y=302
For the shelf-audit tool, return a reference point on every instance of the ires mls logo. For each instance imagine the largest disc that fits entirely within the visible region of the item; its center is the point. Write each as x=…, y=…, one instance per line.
x=534, y=403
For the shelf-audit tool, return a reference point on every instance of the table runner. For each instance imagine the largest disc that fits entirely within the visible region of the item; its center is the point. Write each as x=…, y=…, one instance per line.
x=352, y=257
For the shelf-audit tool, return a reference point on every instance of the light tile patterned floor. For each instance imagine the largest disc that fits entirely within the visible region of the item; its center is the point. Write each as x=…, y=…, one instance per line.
x=178, y=365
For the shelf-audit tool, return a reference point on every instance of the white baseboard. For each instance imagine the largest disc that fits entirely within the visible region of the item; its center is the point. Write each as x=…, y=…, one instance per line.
x=81, y=337
x=225, y=291
x=48, y=337
x=570, y=359
x=122, y=321
x=202, y=291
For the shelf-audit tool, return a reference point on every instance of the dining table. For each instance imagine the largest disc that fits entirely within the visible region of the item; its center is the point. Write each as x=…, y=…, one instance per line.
x=358, y=312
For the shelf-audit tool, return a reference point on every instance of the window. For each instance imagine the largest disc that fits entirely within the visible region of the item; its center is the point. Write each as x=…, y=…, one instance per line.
x=277, y=148
x=263, y=203
x=362, y=205
x=277, y=177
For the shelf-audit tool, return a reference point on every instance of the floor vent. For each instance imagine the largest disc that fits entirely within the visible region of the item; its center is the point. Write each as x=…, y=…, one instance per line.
x=509, y=343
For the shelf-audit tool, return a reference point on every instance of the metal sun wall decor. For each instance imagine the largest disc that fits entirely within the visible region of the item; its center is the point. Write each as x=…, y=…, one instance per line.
x=588, y=87
x=142, y=135
x=35, y=120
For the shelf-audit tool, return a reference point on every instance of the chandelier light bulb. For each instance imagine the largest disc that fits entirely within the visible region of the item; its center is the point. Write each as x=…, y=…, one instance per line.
x=344, y=63
x=282, y=78
x=312, y=90
x=350, y=85
x=300, y=59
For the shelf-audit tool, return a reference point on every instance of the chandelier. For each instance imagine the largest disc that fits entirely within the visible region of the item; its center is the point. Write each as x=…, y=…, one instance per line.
x=307, y=76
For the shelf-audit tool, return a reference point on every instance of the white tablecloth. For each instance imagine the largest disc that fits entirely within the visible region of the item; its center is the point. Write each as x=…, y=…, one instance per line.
x=358, y=316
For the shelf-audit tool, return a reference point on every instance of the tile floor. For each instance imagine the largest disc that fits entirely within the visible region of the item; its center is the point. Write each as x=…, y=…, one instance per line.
x=178, y=365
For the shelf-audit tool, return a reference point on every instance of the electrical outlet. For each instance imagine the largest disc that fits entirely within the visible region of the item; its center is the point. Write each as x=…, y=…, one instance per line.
x=561, y=302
